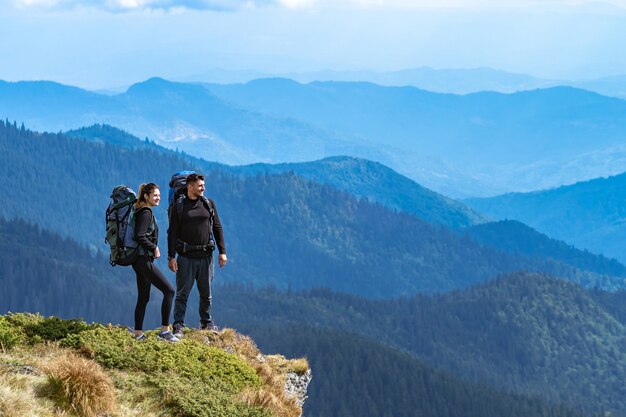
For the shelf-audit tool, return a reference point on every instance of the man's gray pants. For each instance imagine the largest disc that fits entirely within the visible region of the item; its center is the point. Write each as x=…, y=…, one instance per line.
x=199, y=270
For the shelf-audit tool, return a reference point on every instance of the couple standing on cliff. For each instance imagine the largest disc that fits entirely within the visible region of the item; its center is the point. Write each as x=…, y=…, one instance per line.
x=193, y=219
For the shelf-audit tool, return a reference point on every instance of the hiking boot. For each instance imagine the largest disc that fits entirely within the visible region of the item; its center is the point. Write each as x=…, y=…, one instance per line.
x=207, y=325
x=178, y=330
x=168, y=337
x=141, y=338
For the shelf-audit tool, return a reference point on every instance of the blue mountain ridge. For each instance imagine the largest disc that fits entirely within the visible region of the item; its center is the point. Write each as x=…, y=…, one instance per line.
x=589, y=214
x=476, y=144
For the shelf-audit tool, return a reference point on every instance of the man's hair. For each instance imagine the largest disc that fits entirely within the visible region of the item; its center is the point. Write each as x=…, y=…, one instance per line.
x=194, y=177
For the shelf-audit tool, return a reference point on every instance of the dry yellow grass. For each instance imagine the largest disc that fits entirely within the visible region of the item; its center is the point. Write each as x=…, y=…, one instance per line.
x=277, y=404
x=275, y=381
x=80, y=385
x=14, y=403
x=272, y=394
x=231, y=341
x=279, y=362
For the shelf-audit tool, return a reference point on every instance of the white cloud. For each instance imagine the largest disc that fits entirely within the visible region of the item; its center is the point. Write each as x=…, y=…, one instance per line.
x=452, y=4
x=129, y=5
x=297, y=4
x=232, y=5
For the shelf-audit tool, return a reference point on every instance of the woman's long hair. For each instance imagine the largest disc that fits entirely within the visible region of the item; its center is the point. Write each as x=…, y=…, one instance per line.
x=143, y=190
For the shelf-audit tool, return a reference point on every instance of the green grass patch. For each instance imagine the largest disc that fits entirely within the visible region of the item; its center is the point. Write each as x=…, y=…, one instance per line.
x=115, y=348
x=38, y=328
x=197, y=398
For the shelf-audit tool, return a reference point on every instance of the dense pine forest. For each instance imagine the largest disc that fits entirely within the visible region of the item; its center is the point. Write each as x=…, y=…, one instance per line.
x=323, y=237
x=532, y=333
x=44, y=272
x=374, y=380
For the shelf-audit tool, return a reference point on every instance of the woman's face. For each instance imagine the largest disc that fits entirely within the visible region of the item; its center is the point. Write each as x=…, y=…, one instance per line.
x=154, y=197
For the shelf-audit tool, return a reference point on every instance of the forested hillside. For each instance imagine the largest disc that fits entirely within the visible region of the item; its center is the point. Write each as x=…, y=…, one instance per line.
x=379, y=184
x=514, y=237
x=589, y=215
x=39, y=271
x=282, y=230
x=357, y=377
x=359, y=177
x=45, y=273
x=533, y=334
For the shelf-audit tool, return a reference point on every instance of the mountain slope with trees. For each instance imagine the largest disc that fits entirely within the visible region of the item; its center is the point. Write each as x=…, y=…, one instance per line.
x=379, y=184
x=359, y=177
x=40, y=271
x=515, y=237
x=589, y=215
x=332, y=239
x=374, y=380
x=535, y=335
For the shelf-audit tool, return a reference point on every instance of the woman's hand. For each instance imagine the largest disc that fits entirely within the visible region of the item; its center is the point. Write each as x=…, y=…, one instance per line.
x=157, y=253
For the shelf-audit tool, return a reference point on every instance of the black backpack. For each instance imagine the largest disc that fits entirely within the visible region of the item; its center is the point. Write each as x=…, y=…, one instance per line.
x=178, y=194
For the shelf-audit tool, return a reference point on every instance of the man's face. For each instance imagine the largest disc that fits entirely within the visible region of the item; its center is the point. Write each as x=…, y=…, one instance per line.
x=195, y=189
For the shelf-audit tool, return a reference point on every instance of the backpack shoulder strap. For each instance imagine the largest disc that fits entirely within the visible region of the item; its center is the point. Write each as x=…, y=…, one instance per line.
x=180, y=201
x=209, y=205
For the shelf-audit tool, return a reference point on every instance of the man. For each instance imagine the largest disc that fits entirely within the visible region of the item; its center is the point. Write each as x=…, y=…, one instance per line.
x=189, y=236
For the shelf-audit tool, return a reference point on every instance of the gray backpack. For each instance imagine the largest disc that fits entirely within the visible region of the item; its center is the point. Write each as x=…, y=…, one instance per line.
x=120, y=226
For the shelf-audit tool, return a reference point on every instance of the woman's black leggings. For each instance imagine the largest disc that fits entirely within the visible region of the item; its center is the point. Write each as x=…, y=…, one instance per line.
x=147, y=274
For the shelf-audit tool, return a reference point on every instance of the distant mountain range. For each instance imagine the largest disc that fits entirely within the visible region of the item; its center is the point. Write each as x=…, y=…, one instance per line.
x=473, y=145
x=454, y=81
x=589, y=215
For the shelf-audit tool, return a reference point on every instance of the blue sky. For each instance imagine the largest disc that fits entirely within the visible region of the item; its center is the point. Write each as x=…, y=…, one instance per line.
x=110, y=43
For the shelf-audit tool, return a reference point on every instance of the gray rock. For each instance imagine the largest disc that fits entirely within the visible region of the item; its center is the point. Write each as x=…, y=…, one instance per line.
x=297, y=384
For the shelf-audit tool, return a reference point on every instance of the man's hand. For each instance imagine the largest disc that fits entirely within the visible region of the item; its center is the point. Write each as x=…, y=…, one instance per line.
x=157, y=253
x=172, y=265
x=222, y=260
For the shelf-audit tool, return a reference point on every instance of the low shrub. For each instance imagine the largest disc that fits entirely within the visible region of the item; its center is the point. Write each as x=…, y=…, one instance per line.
x=38, y=328
x=23, y=319
x=10, y=335
x=115, y=348
x=197, y=398
x=54, y=328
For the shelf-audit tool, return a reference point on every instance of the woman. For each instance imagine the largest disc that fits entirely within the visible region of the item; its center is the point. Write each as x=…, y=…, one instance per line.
x=147, y=235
